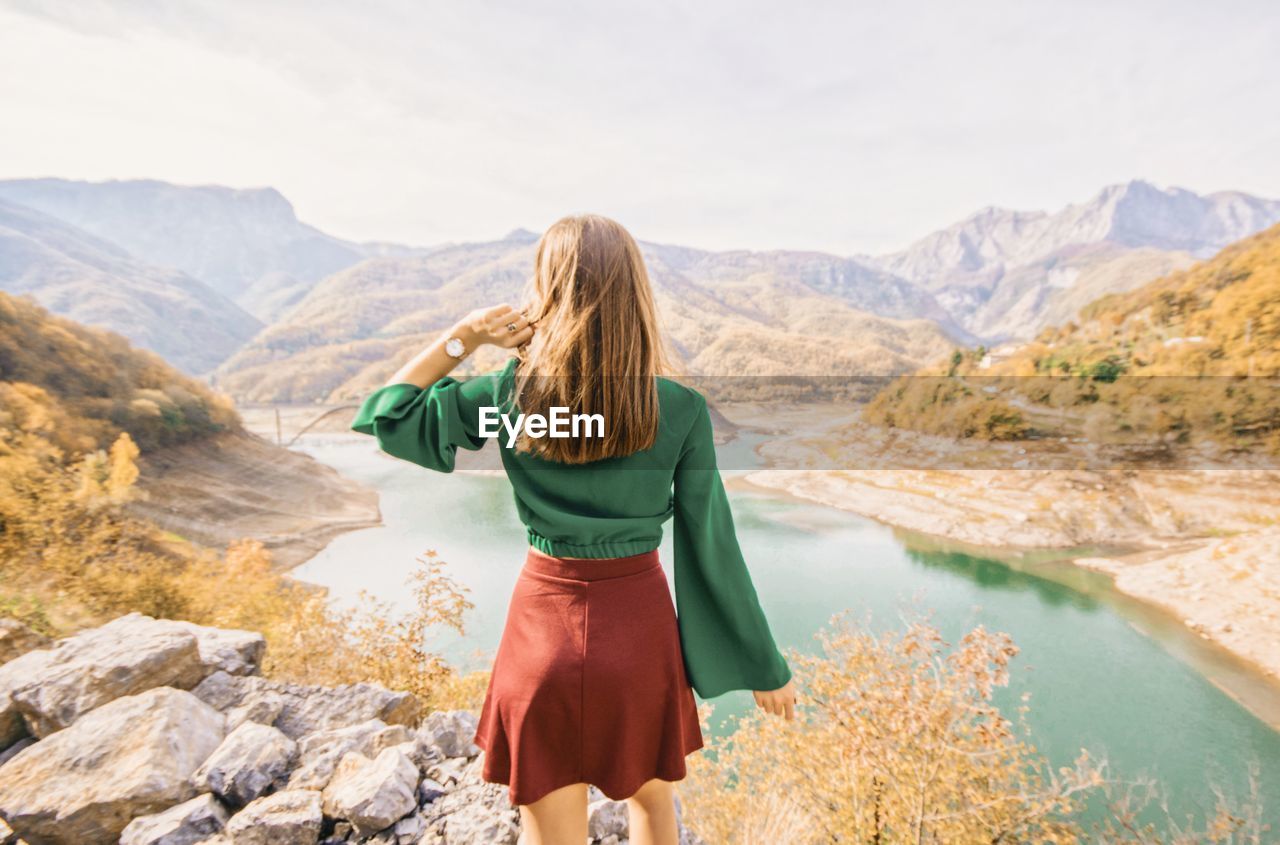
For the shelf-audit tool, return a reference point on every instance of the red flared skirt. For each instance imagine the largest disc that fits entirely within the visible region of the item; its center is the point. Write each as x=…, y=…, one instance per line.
x=588, y=684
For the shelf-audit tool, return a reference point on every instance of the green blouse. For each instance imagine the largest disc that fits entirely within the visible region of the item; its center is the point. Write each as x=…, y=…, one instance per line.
x=612, y=508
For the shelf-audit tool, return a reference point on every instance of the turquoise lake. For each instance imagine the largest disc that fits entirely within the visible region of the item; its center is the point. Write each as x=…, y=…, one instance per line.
x=1104, y=673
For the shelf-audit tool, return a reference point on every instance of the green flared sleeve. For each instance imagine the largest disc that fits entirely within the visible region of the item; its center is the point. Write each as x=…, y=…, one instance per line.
x=723, y=631
x=428, y=425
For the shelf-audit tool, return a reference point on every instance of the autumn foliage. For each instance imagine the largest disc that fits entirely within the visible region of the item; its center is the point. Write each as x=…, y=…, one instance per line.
x=897, y=740
x=1190, y=358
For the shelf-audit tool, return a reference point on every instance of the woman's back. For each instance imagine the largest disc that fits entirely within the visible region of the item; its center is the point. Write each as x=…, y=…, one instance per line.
x=613, y=507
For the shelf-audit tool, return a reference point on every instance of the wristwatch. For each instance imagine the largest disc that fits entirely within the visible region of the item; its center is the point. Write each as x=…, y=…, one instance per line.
x=455, y=348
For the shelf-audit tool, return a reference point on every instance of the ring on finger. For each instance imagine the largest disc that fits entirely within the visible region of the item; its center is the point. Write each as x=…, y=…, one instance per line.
x=511, y=327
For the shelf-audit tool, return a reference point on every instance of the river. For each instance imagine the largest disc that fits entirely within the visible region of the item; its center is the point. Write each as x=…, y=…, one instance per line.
x=1104, y=673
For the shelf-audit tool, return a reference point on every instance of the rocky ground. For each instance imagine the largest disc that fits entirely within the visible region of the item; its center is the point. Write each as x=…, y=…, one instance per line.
x=156, y=732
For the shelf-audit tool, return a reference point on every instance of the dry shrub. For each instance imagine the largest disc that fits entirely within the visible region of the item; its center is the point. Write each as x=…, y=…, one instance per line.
x=66, y=539
x=897, y=740
x=310, y=640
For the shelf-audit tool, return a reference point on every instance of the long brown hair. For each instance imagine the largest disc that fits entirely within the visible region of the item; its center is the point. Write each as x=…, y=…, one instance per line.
x=596, y=347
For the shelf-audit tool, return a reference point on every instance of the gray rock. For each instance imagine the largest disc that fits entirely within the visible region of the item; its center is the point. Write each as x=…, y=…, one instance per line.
x=451, y=731
x=234, y=652
x=291, y=817
x=188, y=823
x=17, y=639
x=607, y=818
x=372, y=794
x=263, y=709
x=448, y=771
x=12, y=727
x=133, y=756
x=307, y=709
x=429, y=790
x=474, y=814
x=320, y=752
x=423, y=754
x=12, y=751
x=409, y=829
x=53, y=687
x=248, y=763
x=47, y=689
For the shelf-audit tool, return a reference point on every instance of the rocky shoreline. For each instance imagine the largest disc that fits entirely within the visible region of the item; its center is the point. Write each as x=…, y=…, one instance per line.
x=239, y=484
x=156, y=732
x=1199, y=545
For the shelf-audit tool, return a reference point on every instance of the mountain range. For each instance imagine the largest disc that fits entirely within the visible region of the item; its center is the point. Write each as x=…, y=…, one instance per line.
x=90, y=280
x=230, y=283
x=728, y=313
x=1006, y=274
x=248, y=245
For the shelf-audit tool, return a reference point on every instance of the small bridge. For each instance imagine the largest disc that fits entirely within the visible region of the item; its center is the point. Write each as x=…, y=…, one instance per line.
x=310, y=425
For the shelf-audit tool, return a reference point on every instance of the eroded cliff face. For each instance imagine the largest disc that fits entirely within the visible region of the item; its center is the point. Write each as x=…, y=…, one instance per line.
x=146, y=731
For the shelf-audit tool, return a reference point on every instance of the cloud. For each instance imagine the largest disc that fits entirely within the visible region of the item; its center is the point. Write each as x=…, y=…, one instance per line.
x=817, y=125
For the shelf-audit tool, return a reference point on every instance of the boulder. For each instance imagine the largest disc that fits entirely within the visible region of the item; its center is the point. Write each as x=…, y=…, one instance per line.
x=188, y=823
x=248, y=763
x=291, y=817
x=451, y=731
x=449, y=771
x=263, y=709
x=234, y=652
x=429, y=790
x=474, y=814
x=409, y=828
x=607, y=818
x=17, y=639
x=307, y=709
x=131, y=757
x=12, y=727
x=53, y=687
x=319, y=753
x=372, y=794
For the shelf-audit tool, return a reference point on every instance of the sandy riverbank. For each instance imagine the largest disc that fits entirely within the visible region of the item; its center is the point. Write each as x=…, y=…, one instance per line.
x=238, y=485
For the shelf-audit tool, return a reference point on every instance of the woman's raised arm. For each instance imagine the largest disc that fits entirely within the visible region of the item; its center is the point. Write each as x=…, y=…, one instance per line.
x=500, y=325
x=422, y=414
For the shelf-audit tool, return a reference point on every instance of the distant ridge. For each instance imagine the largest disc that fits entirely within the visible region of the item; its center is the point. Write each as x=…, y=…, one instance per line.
x=726, y=314
x=78, y=275
x=1005, y=273
x=247, y=244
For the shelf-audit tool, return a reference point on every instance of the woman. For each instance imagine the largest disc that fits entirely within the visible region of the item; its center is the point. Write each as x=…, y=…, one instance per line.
x=592, y=680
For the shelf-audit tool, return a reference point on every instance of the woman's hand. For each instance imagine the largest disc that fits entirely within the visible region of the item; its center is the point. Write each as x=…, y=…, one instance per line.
x=500, y=325
x=779, y=702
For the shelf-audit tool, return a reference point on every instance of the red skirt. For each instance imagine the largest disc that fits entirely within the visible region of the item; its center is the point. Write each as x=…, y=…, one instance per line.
x=588, y=684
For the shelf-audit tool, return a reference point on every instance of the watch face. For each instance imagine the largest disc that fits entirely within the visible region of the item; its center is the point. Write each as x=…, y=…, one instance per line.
x=454, y=347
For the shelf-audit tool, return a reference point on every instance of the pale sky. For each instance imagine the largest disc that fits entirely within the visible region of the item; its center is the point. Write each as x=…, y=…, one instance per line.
x=844, y=126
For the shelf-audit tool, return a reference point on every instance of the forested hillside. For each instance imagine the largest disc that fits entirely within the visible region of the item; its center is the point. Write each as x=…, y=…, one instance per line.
x=1169, y=362
x=80, y=387
x=81, y=276
x=725, y=314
